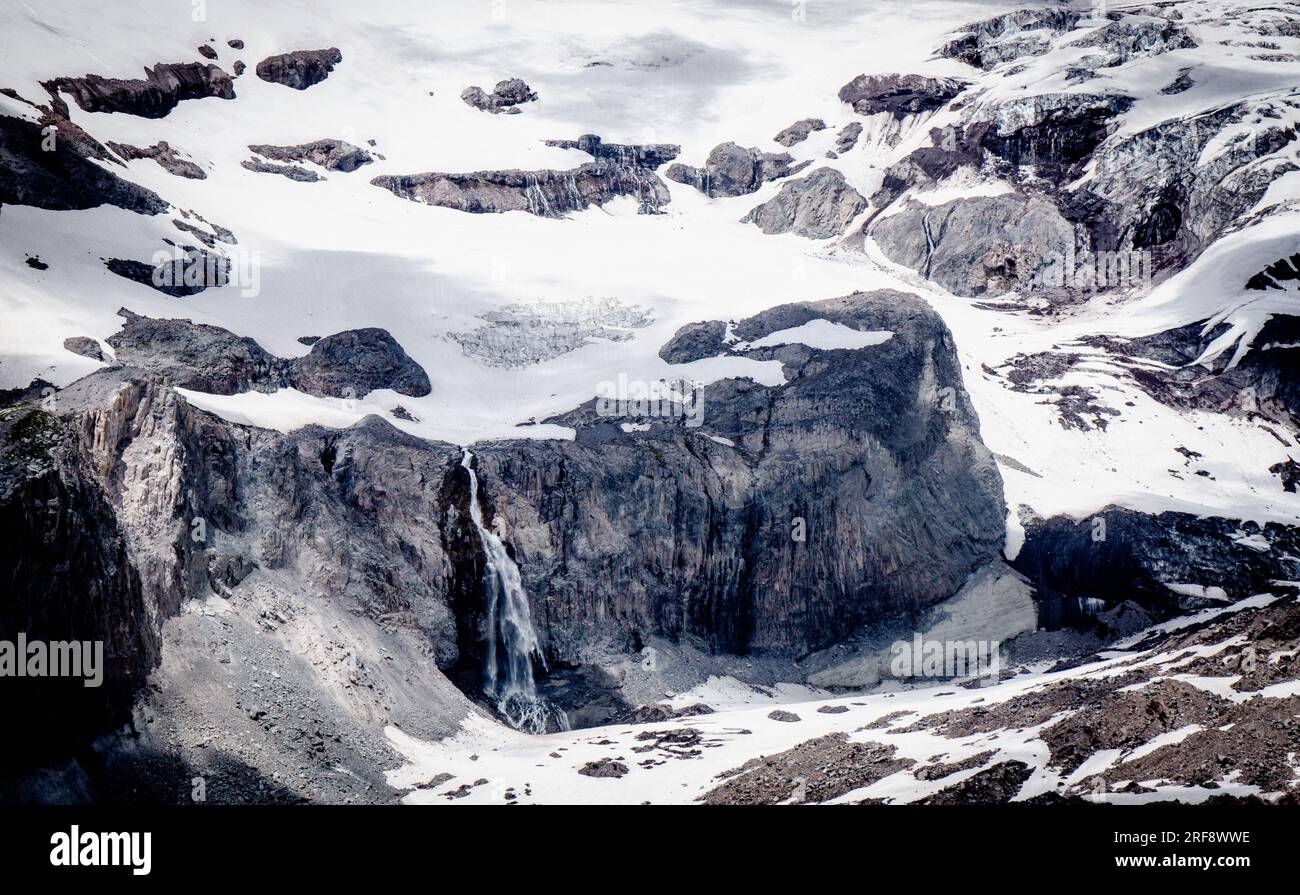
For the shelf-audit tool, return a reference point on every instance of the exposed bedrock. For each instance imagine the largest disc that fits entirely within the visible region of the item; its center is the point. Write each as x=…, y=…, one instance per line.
x=549, y=194
x=1132, y=37
x=167, y=157
x=507, y=97
x=155, y=96
x=733, y=170
x=64, y=178
x=335, y=155
x=977, y=246
x=871, y=456
x=1165, y=562
x=301, y=68
x=899, y=95
x=207, y=358
x=819, y=205
x=799, y=131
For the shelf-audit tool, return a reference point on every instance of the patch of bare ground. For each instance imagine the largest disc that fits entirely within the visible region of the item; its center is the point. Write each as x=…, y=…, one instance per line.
x=1261, y=733
x=939, y=771
x=813, y=771
x=992, y=786
x=1128, y=720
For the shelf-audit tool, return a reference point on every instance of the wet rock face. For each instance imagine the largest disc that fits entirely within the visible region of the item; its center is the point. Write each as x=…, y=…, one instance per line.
x=336, y=155
x=64, y=178
x=799, y=131
x=543, y=193
x=507, y=97
x=899, y=95
x=668, y=532
x=155, y=96
x=164, y=155
x=733, y=170
x=819, y=205
x=301, y=68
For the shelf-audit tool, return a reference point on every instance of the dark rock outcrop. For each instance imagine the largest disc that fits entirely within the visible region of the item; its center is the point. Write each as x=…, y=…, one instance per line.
x=357, y=361
x=164, y=155
x=85, y=346
x=336, y=155
x=1118, y=554
x=293, y=172
x=64, y=178
x=733, y=170
x=155, y=96
x=799, y=131
x=507, y=97
x=301, y=68
x=187, y=272
x=899, y=95
x=819, y=205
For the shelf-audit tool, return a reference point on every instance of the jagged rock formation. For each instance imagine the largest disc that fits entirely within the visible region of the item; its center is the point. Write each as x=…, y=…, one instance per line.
x=335, y=155
x=85, y=346
x=164, y=155
x=819, y=205
x=733, y=170
x=1004, y=38
x=155, y=96
x=1131, y=37
x=899, y=95
x=799, y=131
x=301, y=68
x=507, y=97
x=64, y=178
x=847, y=138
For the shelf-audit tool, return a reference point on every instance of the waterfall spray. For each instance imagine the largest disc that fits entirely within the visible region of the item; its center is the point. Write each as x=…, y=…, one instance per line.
x=508, y=672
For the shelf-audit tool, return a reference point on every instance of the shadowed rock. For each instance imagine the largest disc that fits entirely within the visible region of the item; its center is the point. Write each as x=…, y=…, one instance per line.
x=85, y=346
x=357, y=361
x=64, y=178
x=299, y=69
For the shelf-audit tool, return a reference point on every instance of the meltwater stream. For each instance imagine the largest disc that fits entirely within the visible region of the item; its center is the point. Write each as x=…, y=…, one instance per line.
x=508, y=673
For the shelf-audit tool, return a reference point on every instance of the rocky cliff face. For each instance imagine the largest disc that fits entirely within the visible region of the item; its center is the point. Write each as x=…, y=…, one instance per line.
x=732, y=535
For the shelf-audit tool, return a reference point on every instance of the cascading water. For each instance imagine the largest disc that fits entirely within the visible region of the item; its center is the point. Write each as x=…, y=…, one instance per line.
x=508, y=672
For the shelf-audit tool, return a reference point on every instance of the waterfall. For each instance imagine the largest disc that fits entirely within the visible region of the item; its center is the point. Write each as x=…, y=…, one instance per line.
x=508, y=671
